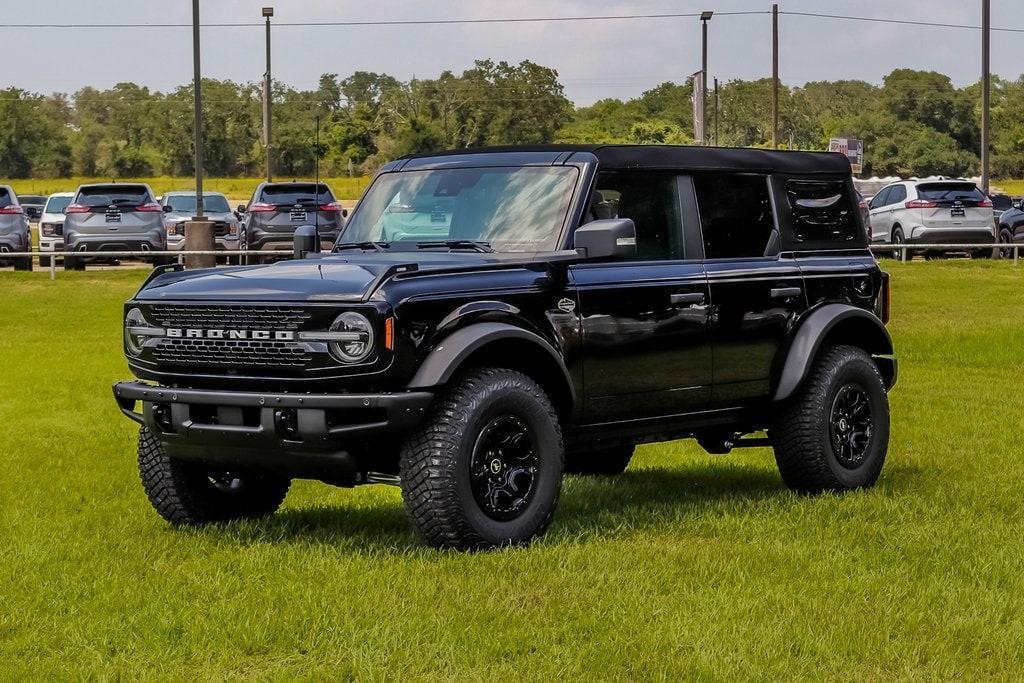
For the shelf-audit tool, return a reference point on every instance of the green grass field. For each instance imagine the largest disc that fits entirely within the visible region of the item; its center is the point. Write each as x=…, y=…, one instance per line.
x=237, y=189
x=688, y=566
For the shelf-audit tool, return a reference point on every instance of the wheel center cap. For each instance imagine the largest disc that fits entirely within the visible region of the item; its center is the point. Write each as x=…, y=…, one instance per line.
x=843, y=425
x=495, y=466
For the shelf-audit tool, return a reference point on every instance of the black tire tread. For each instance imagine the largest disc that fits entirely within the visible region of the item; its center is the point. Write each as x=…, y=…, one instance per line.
x=797, y=426
x=182, y=497
x=429, y=464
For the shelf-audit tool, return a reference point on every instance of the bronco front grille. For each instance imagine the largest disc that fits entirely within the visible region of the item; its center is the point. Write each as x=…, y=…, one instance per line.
x=231, y=352
x=241, y=316
x=225, y=352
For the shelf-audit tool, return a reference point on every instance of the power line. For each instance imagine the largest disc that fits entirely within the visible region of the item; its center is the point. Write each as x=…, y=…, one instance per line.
x=393, y=22
x=907, y=22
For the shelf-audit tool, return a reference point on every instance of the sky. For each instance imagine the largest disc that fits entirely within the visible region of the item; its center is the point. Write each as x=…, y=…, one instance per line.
x=594, y=59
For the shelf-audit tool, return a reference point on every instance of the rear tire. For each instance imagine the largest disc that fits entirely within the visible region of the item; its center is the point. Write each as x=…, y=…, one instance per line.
x=23, y=263
x=73, y=263
x=602, y=462
x=485, y=469
x=897, y=239
x=1007, y=239
x=833, y=434
x=190, y=493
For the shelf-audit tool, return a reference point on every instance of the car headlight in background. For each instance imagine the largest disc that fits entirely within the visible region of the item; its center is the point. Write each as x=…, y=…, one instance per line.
x=352, y=338
x=233, y=229
x=175, y=229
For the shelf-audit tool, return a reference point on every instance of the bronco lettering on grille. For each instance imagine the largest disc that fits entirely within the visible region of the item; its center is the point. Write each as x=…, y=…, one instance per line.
x=256, y=335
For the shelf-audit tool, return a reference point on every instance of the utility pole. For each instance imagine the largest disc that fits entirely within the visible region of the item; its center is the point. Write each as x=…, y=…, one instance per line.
x=717, y=114
x=268, y=12
x=198, y=231
x=775, y=76
x=986, y=30
x=705, y=17
x=197, y=100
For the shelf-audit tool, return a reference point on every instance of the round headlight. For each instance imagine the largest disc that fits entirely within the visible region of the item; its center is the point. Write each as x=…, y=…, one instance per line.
x=133, y=342
x=355, y=341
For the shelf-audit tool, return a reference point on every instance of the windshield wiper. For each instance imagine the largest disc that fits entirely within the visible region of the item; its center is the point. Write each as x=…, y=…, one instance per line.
x=376, y=246
x=475, y=245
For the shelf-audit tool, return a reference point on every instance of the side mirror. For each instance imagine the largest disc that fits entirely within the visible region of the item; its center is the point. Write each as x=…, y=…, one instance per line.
x=167, y=208
x=607, y=238
x=306, y=241
x=240, y=209
x=344, y=213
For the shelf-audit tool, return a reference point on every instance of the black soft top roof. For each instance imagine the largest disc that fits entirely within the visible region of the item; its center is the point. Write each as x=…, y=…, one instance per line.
x=666, y=157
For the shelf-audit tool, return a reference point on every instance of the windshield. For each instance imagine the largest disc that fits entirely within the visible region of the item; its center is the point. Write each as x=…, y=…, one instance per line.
x=512, y=209
x=186, y=203
x=56, y=204
x=103, y=195
x=295, y=193
x=943, y=192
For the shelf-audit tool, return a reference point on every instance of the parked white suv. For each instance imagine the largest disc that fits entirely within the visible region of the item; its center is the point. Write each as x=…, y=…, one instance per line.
x=932, y=211
x=51, y=226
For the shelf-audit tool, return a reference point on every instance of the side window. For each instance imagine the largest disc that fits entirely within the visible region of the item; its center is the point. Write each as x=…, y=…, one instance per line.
x=735, y=214
x=821, y=210
x=652, y=201
x=881, y=198
x=897, y=194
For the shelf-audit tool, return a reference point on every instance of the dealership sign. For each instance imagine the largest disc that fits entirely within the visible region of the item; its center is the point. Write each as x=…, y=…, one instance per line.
x=852, y=148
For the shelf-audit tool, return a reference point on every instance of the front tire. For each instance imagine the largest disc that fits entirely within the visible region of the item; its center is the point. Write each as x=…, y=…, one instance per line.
x=833, y=434
x=23, y=263
x=485, y=469
x=186, y=493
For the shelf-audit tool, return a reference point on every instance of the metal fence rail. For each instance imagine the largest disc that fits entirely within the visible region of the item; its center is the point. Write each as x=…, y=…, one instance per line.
x=903, y=249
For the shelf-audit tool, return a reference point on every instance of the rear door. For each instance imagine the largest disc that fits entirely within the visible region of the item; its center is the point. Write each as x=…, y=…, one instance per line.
x=116, y=210
x=952, y=205
x=646, y=346
x=880, y=220
x=756, y=291
x=296, y=204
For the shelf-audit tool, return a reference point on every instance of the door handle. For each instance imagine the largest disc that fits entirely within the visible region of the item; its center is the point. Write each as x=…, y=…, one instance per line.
x=687, y=298
x=785, y=292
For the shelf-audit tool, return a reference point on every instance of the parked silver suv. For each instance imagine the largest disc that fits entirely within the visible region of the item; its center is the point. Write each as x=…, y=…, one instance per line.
x=932, y=211
x=180, y=207
x=112, y=217
x=14, y=230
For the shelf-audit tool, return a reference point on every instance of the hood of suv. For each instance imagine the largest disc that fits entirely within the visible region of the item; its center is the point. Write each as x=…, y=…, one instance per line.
x=179, y=217
x=330, y=278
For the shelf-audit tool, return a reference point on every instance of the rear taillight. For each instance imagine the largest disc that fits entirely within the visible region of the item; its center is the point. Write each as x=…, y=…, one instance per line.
x=332, y=206
x=77, y=208
x=149, y=207
x=261, y=207
x=985, y=204
x=920, y=204
x=11, y=209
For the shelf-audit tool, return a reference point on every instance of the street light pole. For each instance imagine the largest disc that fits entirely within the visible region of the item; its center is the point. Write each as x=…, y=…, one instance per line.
x=197, y=121
x=704, y=18
x=268, y=12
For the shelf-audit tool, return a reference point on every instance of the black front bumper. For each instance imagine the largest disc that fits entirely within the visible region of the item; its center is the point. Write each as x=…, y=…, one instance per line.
x=302, y=435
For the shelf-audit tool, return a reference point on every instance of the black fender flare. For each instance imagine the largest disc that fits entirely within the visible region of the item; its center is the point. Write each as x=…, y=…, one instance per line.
x=810, y=334
x=449, y=354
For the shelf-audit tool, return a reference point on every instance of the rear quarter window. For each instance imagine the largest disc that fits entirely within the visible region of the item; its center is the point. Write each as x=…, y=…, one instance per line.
x=5, y=198
x=822, y=211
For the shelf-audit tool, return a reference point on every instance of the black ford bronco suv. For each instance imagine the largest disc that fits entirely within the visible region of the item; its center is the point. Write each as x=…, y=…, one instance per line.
x=489, y=319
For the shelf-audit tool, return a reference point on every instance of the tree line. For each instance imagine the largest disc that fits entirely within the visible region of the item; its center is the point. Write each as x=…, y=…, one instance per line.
x=915, y=122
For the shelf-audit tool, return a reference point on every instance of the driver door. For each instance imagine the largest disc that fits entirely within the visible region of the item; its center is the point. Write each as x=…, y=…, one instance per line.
x=645, y=322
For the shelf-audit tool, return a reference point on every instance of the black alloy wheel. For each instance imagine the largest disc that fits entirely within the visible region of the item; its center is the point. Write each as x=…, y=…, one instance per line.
x=503, y=469
x=851, y=426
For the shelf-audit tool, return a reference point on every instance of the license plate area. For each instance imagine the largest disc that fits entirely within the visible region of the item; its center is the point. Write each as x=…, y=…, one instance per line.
x=113, y=215
x=298, y=214
x=957, y=212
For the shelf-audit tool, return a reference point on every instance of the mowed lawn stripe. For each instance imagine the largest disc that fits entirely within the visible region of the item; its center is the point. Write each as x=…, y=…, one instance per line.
x=689, y=565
